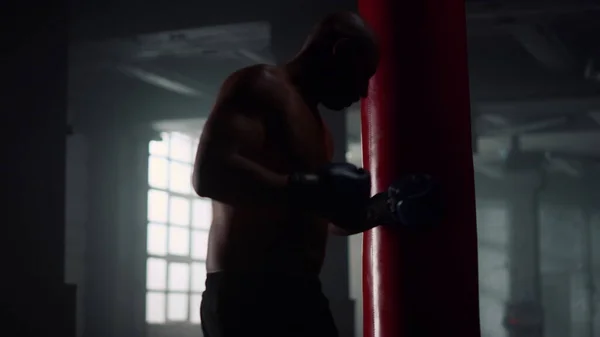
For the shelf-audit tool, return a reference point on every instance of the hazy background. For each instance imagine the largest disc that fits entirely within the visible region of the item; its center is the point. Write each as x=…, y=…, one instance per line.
x=143, y=77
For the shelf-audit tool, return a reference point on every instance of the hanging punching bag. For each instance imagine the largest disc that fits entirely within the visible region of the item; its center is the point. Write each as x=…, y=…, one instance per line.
x=421, y=282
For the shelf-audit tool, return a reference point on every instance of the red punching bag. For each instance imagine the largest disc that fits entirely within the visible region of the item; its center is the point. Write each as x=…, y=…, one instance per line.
x=416, y=119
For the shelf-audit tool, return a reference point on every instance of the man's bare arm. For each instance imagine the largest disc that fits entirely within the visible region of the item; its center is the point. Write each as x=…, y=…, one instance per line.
x=236, y=127
x=414, y=200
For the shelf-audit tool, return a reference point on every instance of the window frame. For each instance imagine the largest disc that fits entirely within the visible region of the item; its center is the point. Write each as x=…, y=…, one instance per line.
x=193, y=294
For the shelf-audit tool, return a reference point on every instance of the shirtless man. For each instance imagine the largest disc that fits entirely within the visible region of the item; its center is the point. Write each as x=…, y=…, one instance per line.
x=265, y=160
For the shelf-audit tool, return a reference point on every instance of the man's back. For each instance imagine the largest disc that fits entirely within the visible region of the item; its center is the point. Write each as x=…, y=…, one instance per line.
x=262, y=114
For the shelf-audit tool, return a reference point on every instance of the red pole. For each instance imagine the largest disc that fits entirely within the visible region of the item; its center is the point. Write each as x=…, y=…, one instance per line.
x=417, y=120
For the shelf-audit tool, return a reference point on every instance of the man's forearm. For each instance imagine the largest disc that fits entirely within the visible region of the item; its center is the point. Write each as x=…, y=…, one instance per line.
x=377, y=212
x=241, y=181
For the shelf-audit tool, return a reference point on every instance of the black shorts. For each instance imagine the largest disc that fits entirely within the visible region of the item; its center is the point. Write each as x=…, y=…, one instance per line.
x=266, y=305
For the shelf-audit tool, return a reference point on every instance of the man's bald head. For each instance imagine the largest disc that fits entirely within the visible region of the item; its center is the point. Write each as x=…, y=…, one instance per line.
x=341, y=54
x=338, y=26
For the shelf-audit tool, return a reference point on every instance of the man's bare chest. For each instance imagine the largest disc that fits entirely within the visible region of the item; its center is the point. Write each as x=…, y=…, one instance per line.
x=308, y=137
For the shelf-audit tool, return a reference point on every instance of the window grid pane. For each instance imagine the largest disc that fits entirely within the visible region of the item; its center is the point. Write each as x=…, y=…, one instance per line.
x=180, y=177
x=201, y=213
x=158, y=202
x=160, y=147
x=156, y=239
x=195, y=300
x=156, y=274
x=179, y=211
x=178, y=223
x=158, y=172
x=179, y=277
x=155, y=307
x=177, y=307
x=180, y=147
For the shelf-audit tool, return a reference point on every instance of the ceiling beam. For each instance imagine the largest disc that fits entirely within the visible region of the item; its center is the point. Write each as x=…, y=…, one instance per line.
x=574, y=105
x=546, y=47
x=541, y=125
x=167, y=80
x=245, y=41
x=250, y=37
x=498, y=111
x=525, y=10
x=256, y=57
x=579, y=143
x=501, y=18
x=113, y=19
x=595, y=115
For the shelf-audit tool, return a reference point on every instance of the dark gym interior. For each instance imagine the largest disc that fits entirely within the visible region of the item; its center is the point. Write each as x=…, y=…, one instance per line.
x=109, y=239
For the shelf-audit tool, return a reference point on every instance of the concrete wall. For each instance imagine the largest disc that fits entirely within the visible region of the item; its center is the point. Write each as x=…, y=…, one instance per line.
x=76, y=218
x=564, y=273
x=492, y=228
x=355, y=271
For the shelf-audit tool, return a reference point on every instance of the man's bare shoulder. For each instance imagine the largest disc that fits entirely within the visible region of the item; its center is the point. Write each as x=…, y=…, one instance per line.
x=258, y=84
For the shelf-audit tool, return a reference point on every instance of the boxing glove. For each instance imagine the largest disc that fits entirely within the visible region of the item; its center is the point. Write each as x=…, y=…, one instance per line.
x=331, y=190
x=415, y=200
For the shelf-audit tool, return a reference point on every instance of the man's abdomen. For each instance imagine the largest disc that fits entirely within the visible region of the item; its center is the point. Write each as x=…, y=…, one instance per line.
x=243, y=240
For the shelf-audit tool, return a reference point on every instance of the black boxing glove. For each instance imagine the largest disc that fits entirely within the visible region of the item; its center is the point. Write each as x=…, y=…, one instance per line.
x=412, y=201
x=415, y=200
x=332, y=190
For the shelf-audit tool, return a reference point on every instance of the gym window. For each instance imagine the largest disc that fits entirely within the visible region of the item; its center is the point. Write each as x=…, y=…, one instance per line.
x=178, y=223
